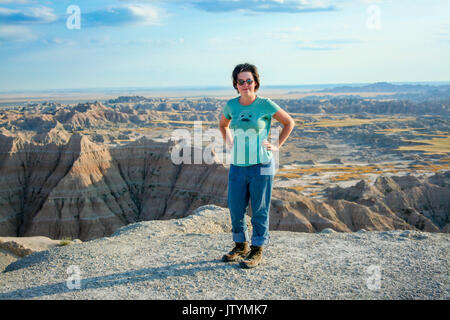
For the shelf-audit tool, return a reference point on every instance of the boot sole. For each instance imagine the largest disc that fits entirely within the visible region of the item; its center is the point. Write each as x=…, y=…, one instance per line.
x=239, y=258
x=244, y=265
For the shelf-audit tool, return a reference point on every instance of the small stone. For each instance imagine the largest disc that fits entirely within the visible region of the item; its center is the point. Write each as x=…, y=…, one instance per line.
x=327, y=231
x=406, y=234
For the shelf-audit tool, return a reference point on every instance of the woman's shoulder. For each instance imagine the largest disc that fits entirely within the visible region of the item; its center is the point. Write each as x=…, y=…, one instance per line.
x=264, y=99
x=233, y=100
x=269, y=105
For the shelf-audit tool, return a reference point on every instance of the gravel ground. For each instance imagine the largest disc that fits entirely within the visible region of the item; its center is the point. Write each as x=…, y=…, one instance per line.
x=181, y=259
x=6, y=258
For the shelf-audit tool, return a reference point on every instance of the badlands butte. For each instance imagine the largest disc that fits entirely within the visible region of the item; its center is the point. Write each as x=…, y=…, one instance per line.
x=82, y=171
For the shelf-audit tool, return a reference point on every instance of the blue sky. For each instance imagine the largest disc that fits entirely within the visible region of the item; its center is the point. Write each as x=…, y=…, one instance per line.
x=154, y=43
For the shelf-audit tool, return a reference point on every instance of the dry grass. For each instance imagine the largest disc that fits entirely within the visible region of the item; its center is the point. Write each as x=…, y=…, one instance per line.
x=149, y=129
x=311, y=170
x=189, y=112
x=436, y=168
x=343, y=173
x=298, y=188
x=348, y=122
x=347, y=176
x=433, y=146
x=432, y=135
x=185, y=122
x=396, y=130
x=288, y=175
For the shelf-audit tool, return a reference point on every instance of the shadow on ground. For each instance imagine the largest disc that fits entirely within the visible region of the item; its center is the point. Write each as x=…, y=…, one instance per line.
x=129, y=277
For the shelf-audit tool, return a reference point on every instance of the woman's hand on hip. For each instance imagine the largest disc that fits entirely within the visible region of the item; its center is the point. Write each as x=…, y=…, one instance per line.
x=270, y=146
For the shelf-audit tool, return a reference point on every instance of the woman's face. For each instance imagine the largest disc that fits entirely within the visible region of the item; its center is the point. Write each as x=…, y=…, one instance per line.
x=246, y=89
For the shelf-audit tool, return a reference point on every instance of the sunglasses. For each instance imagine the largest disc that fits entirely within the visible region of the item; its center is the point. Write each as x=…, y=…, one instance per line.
x=241, y=82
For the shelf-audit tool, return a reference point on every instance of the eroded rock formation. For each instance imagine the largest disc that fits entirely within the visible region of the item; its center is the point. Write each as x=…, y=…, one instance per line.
x=63, y=185
x=86, y=190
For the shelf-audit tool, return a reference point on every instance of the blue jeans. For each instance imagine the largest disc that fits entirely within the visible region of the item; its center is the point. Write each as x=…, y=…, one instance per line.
x=250, y=182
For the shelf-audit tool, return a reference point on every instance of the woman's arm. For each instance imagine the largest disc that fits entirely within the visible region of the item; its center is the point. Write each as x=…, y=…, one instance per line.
x=225, y=131
x=288, y=125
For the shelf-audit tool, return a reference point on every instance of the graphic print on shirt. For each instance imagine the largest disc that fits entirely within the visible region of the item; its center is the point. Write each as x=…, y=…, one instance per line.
x=250, y=126
x=246, y=116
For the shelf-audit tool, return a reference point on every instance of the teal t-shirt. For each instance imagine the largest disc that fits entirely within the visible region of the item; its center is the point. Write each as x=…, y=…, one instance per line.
x=250, y=126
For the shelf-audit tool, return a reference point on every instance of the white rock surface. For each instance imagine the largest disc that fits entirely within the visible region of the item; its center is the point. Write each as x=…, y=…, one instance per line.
x=181, y=259
x=23, y=246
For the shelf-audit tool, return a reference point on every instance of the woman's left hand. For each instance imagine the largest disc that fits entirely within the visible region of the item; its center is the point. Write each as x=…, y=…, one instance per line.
x=270, y=146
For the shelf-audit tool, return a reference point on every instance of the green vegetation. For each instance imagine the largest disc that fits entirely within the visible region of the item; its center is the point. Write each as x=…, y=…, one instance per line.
x=65, y=241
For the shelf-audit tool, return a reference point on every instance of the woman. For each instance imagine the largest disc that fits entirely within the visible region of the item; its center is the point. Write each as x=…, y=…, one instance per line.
x=252, y=164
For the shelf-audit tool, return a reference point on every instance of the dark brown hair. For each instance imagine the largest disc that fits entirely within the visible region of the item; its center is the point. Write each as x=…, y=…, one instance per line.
x=243, y=67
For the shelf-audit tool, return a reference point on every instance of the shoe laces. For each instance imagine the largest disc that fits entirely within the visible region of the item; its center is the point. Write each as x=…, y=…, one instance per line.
x=254, y=251
x=238, y=248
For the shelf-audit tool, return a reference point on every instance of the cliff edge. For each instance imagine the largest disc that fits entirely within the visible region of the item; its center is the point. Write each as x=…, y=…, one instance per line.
x=181, y=259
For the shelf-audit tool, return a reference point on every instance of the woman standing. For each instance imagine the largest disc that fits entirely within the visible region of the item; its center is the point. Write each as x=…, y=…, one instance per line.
x=252, y=164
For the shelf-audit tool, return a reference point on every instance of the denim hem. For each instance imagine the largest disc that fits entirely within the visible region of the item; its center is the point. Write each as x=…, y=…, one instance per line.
x=241, y=236
x=261, y=241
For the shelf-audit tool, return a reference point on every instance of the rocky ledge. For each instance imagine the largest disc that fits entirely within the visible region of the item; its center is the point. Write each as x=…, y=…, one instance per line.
x=181, y=259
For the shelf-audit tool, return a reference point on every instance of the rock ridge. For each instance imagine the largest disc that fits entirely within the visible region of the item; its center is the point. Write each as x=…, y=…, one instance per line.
x=180, y=259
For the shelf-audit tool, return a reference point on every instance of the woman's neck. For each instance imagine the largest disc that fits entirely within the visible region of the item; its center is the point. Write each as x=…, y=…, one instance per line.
x=247, y=99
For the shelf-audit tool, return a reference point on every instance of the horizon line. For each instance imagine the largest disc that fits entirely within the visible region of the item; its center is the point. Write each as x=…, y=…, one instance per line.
x=214, y=87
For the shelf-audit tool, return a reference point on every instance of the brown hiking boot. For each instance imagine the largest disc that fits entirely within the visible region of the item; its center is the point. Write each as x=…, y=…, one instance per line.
x=240, y=250
x=253, y=259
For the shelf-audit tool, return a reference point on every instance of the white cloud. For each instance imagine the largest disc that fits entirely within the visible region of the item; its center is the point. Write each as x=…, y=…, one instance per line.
x=286, y=34
x=132, y=14
x=145, y=14
x=15, y=1
x=265, y=6
x=59, y=41
x=108, y=41
x=327, y=44
x=26, y=16
x=16, y=34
